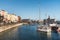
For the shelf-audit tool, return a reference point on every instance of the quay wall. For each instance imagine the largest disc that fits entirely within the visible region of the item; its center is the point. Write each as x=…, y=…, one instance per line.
x=3, y=28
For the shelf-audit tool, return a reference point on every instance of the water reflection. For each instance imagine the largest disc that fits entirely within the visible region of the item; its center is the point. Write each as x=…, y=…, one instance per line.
x=9, y=34
x=49, y=36
x=55, y=36
x=28, y=32
x=42, y=35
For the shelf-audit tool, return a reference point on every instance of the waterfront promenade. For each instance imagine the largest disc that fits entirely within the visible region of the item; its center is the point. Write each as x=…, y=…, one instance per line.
x=6, y=27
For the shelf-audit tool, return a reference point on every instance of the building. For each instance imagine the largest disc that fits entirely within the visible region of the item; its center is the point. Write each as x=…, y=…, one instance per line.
x=26, y=20
x=9, y=18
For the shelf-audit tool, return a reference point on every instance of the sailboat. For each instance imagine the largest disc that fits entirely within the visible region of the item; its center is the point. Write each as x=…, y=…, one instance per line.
x=48, y=27
x=43, y=28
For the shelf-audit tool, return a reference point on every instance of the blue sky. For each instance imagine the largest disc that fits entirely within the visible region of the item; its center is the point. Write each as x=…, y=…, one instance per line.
x=30, y=8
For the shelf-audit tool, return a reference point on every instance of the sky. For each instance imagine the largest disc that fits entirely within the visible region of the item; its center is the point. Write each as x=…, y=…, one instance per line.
x=32, y=9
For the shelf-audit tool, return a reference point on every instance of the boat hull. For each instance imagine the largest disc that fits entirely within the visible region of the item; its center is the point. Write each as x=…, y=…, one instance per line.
x=42, y=30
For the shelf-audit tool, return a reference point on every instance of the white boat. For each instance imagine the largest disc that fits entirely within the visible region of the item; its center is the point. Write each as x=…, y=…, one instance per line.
x=44, y=29
x=54, y=24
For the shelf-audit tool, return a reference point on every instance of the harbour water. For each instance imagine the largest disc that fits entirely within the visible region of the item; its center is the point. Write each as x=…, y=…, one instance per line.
x=28, y=32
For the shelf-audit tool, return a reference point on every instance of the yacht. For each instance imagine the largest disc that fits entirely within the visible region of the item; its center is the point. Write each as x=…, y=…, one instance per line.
x=44, y=28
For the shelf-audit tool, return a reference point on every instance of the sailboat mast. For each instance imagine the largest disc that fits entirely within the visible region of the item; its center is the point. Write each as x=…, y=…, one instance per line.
x=39, y=13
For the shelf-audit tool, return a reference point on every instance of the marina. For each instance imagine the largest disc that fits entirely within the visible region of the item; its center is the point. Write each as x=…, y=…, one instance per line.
x=48, y=25
x=29, y=19
x=28, y=32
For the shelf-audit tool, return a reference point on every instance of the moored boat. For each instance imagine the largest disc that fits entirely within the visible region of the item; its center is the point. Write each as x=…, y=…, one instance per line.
x=44, y=29
x=54, y=27
x=48, y=28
